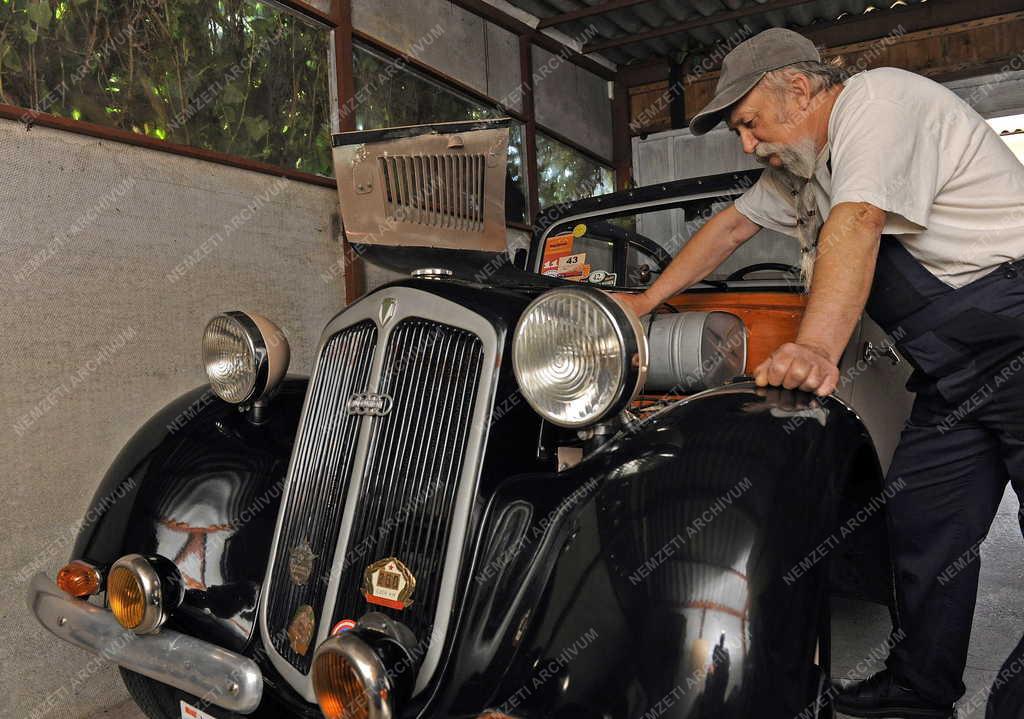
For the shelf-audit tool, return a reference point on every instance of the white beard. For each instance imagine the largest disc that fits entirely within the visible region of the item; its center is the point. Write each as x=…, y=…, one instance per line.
x=798, y=158
x=786, y=181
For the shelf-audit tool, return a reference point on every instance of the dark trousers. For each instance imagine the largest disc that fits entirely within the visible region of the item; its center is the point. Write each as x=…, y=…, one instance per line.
x=950, y=471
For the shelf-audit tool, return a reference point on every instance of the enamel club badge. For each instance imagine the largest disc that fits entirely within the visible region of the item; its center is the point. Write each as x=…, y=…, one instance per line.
x=388, y=583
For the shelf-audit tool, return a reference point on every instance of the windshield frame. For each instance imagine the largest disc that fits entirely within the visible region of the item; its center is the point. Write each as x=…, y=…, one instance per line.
x=651, y=198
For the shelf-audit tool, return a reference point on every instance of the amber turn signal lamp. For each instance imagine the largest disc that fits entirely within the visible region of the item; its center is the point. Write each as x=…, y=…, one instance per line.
x=126, y=597
x=79, y=579
x=339, y=689
x=143, y=591
x=366, y=672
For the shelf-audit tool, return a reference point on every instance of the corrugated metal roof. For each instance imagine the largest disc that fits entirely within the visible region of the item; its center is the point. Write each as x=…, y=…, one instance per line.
x=661, y=13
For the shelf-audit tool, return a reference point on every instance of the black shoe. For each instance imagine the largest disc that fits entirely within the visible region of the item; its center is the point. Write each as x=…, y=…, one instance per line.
x=880, y=695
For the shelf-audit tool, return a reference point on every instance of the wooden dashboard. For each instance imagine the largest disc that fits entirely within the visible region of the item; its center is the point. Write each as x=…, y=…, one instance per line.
x=771, y=319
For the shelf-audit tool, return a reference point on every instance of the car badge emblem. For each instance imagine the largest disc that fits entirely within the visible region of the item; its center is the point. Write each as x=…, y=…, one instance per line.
x=374, y=403
x=388, y=307
x=388, y=583
x=300, y=563
x=300, y=630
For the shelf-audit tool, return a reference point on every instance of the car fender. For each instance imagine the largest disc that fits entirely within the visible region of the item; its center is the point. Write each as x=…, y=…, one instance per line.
x=681, y=564
x=200, y=484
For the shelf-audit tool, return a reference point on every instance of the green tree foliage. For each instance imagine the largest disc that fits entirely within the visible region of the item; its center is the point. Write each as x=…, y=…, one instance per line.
x=236, y=76
x=567, y=174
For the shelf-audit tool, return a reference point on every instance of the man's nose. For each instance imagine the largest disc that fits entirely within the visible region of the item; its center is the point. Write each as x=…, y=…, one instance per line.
x=748, y=141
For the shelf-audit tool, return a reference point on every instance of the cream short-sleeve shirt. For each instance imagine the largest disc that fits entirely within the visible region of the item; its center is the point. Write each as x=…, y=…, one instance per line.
x=952, y=190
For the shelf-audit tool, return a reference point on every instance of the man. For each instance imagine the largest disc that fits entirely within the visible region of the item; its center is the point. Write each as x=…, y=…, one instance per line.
x=888, y=151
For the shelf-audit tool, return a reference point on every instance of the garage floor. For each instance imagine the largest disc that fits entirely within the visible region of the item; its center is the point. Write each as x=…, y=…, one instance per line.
x=860, y=627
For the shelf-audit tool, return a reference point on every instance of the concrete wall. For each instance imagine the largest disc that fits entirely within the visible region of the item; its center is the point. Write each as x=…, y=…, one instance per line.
x=452, y=40
x=570, y=100
x=110, y=265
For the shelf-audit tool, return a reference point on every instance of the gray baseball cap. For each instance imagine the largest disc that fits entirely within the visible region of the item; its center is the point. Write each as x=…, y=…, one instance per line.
x=744, y=67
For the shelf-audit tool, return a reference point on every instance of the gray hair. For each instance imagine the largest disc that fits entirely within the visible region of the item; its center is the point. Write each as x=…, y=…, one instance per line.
x=822, y=76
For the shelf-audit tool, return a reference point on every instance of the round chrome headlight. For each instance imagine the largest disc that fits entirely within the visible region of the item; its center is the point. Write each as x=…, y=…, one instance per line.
x=245, y=355
x=578, y=355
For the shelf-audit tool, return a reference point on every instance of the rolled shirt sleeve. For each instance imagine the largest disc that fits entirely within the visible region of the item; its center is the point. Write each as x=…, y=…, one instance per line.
x=765, y=204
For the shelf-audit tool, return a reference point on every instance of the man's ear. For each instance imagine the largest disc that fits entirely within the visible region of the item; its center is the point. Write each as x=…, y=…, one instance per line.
x=800, y=85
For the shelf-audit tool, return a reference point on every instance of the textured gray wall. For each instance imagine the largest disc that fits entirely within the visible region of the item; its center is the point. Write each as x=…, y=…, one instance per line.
x=572, y=101
x=452, y=40
x=110, y=265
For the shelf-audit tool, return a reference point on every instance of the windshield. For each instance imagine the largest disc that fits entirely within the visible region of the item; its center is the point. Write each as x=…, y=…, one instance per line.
x=629, y=249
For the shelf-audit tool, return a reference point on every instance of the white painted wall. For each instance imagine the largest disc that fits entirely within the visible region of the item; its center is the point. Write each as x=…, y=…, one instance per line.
x=101, y=320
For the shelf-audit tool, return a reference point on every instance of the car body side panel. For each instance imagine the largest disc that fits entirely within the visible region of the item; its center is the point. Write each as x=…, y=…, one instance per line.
x=677, y=570
x=200, y=485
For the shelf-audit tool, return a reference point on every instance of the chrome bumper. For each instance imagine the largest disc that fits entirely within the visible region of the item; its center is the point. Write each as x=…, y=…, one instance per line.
x=216, y=675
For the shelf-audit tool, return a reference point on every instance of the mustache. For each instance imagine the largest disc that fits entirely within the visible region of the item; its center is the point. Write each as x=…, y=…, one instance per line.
x=794, y=158
x=764, y=150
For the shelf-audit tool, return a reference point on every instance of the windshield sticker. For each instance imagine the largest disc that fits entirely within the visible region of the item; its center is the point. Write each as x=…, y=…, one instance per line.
x=579, y=230
x=558, y=246
x=568, y=266
x=602, y=277
x=579, y=276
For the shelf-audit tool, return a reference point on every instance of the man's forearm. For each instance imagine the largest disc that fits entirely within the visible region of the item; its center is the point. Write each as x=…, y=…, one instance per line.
x=706, y=250
x=843, y=272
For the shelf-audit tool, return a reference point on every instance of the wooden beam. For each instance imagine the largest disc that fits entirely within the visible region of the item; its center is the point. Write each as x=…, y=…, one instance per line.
x=690, y=24
x=353, y=269
x=644, y=72
x=529, y=128
x=343, y=69
x=514, y=25
x=599, y=9
x=309, y=11
x=919, y=16
x=852, y=28
x=622, y=147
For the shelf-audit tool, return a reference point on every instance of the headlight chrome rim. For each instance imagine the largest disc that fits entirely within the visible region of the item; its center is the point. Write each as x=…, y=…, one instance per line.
x=367, y=667
x=255, y=345
x=632, y=351
x=148, y=581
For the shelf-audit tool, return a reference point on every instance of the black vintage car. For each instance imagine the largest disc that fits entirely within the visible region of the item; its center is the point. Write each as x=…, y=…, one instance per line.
x=499, y=494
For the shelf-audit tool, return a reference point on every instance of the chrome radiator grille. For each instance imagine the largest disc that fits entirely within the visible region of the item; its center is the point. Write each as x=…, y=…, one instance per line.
x=386, y=459
x=324, y=453
x=414, y=460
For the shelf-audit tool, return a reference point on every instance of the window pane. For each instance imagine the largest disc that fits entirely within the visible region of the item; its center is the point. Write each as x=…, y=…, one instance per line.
x=238, y=76
x=391, y=94
x=323, y=6
x=567, y=174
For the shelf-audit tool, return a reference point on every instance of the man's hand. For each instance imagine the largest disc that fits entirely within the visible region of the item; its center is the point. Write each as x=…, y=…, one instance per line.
x=799, y=366
x=640, y=303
